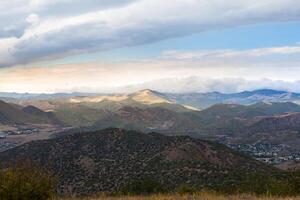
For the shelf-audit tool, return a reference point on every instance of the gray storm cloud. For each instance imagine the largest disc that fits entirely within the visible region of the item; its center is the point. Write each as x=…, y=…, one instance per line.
x=103, y=25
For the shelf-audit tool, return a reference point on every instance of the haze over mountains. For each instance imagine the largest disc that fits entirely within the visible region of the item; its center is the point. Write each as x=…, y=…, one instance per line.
x=197, y=100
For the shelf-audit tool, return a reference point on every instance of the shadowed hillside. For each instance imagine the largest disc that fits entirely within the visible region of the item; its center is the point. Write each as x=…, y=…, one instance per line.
x=14, y=114
x=198, y=196
x=108, y=160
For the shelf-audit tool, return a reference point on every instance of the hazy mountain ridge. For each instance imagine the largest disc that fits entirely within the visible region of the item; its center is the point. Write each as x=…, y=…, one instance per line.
x=148, y=110
x=147, y=96
x=143, y=98
x=15, y=114
x=204, y=100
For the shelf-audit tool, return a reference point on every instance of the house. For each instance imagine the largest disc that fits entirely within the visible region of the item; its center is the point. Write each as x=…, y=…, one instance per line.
x=2, y=135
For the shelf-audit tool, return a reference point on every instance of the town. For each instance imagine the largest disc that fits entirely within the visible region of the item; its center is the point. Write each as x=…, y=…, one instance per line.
x=18, y=134
x=273, y=154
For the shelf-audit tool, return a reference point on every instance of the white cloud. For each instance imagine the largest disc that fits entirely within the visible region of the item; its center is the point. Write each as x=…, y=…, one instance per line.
x=178, y=71
x=127, y=23
x=41, y=3
x=204, y=84
x=33, y=19
x=229, y=53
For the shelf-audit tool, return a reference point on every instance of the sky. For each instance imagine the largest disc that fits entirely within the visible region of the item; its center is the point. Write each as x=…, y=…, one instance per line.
x=49, y=46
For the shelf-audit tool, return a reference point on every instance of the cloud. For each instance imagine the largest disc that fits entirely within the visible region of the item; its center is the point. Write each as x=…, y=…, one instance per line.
x=33, y=19
x=174, y=71
x=101, y=77
x=21, y=9
x=113, y=24
x=45, y=6
x=204, y=84
x=164, y=76
x=229, y=53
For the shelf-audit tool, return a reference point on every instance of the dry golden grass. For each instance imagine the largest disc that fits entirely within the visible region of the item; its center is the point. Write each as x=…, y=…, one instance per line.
x=199, y=196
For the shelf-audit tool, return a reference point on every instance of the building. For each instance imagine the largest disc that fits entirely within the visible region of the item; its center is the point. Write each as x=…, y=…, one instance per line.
x=2, y=135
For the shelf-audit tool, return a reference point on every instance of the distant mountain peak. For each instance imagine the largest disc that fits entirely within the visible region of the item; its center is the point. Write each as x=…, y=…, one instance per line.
x=148, y=96
x=148, y=92
x=267, y=92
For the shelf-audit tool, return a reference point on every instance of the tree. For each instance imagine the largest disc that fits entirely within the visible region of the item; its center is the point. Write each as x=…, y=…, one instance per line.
x=26, y=181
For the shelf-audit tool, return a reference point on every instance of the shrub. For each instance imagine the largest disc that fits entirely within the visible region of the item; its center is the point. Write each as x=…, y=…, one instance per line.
x=26, y=181
x=280, y=185
x=143, y=186
x=186, y=189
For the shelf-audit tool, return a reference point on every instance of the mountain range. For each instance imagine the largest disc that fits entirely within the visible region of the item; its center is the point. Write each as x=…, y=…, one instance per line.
x=87, y=110
x=204, y=100
x=148, y=134
x=195, y=100
x=274, y=122
x=149, y=110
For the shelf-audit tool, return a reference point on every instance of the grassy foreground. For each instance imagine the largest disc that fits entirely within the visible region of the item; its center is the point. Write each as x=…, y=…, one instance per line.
x=198, y=196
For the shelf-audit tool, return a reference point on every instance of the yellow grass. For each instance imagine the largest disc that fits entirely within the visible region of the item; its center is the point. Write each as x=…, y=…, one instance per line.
x=200, y=196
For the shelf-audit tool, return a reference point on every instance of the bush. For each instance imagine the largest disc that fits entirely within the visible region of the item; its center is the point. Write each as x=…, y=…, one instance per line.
x=278, y=185
x=143, y=186
x=186, y=189
x=27, y=182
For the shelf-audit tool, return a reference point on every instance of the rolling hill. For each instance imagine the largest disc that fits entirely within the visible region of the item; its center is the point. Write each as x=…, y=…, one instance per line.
x=108, y=160
x=15, y=114
x=285, y=122
x=148, y=119
x=281, y=130
x=218, y=119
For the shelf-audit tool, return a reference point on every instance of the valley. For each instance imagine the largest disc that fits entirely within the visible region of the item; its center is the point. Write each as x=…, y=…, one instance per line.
x=266, y=128
x=15, y=135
